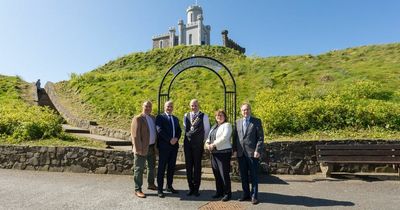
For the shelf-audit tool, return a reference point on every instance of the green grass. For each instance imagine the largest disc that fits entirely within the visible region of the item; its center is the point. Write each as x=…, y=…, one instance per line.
x=375, y=133
x=20, y=120
x=113, y=93
x=22, y=123
x=65, y=141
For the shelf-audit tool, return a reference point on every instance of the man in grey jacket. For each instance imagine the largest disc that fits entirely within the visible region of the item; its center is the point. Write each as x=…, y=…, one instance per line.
x=248, y=142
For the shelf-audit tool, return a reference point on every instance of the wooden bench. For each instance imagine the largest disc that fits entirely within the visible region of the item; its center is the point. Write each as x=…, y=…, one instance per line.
x=327, y=155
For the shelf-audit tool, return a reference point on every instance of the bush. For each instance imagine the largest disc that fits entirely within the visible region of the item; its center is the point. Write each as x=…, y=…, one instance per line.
x=295, y=110
x=22, y=122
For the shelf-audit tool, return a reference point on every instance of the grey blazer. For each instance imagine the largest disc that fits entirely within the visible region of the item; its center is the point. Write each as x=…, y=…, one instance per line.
x=253, y=140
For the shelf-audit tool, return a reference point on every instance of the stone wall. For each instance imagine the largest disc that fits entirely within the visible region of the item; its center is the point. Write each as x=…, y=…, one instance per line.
x=299, y=157
x=296, y=157
x=34, y=93
x=82, y=123
x=227, y=42
x=287, y=157
x=75, y=159
x=66, y=159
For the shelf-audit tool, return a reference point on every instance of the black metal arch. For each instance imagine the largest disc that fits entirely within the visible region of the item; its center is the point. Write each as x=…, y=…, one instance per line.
x=229, y=96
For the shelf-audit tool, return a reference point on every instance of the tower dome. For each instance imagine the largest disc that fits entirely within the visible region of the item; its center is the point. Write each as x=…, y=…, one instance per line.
x=193, y=12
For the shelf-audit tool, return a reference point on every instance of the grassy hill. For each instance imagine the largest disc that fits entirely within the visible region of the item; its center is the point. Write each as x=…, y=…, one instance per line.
x=353, y=90
x=23, y=123
x=19, y=120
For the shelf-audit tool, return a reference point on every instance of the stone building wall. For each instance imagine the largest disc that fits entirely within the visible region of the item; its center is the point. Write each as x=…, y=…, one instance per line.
x=165, y=40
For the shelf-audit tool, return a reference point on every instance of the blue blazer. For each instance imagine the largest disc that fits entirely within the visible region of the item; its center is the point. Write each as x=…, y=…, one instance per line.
x=164, y=131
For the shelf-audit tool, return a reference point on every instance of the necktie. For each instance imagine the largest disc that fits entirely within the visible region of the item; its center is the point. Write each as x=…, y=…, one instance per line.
x=245, y=124
x=171, y=120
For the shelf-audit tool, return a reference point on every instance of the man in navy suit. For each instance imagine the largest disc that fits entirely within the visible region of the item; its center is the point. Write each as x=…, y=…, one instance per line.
x=169, y=132
x=248, y=142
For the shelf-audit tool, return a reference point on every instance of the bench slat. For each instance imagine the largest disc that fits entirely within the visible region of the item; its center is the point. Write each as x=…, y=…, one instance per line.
x=360, y=159
x=359, y=146
x=358, y=152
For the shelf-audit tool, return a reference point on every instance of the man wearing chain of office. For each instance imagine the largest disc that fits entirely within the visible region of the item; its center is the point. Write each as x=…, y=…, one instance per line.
x=197, y=126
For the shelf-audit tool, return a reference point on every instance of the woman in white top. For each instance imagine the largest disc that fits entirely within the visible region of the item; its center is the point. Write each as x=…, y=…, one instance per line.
x=219, y=144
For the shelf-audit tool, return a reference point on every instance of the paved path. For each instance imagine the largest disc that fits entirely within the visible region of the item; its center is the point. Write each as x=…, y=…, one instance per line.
x=50, y=190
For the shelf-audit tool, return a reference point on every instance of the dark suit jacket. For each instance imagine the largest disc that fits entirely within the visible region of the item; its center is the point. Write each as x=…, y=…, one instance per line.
x=253, y=140
x=164, y=131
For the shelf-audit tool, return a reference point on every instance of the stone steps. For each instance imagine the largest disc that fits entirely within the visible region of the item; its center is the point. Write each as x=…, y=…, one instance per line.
x=110, y=142
x=70, y=129
x=80, y=132
x=206, y=172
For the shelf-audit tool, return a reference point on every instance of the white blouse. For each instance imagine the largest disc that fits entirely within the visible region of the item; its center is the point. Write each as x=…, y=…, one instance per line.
x=223, y=136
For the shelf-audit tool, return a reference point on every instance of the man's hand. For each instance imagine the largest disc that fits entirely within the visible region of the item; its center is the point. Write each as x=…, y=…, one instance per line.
x=234, y=154
x=173, y=141
x=256, y=155
x=213, y=146
x=187, y=134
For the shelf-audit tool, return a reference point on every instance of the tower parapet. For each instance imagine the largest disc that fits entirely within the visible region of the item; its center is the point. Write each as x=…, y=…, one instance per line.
x=193, y=12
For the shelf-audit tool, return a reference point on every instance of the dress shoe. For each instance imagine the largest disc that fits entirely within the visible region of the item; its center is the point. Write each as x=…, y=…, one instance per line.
x=160, y=194
x=254, y=201
x=140, y=194
x=244, y=198
x=190, y=193
x=217, y=196
x=226, y=198
x=196, y=193
x=171, y=190
x=152, y=187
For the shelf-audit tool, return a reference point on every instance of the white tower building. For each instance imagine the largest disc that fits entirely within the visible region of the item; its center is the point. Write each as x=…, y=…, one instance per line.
x=192, y=33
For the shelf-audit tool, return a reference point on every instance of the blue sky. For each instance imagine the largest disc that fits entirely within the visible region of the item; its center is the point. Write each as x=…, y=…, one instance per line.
x=49, y=39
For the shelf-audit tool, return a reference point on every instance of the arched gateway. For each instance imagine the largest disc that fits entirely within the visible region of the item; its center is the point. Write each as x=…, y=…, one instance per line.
x=207, y=63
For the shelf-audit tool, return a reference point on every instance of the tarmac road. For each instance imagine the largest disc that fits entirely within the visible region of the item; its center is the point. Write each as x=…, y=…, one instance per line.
x=50, y=190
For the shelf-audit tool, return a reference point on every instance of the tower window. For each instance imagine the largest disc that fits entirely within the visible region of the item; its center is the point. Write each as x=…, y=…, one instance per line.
x=161, y=44
x=190, y=39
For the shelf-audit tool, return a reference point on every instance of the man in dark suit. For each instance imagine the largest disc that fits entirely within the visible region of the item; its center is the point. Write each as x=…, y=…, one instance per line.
x=248, y=142
x=197, y=127
x=169, y=132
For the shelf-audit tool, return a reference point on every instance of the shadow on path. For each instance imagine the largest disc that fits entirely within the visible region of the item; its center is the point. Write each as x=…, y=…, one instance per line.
x=366, y=178
x=273, y=198
x=300, y=200
x=265, y=179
